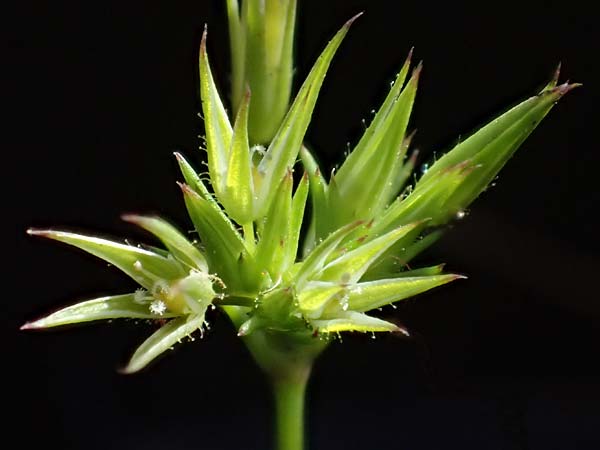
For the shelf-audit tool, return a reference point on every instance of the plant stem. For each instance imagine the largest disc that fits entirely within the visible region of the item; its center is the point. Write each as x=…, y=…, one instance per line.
x=289, y=405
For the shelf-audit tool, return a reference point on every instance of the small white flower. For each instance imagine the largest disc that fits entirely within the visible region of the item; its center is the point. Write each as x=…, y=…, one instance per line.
x=158, y=307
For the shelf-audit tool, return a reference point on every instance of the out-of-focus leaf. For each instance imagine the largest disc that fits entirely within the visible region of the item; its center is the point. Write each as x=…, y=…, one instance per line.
x=103, y=308
x=353, y=321
x=142, y=265
x=177, y=243
x=374, y=294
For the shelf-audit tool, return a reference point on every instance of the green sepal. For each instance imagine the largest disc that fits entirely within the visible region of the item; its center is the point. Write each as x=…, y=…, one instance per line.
x=238, y=195
x=363, y=188
x=173, y=239
x=283, y=150
x=295, y=221
x=218, y=129
x=374, y=294
x=321, y=217
x=142, y=265
x=353, y=321
x=162, y=340
x=221, y=240
x=103, y=308
x=192, y=179
x=271, y=247
x=350, y=267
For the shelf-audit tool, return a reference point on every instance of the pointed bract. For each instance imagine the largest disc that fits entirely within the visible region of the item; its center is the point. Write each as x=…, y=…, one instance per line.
x=162, y=340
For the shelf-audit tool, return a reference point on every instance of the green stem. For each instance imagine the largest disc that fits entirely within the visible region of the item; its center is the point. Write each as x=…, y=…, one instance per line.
x=289, y=404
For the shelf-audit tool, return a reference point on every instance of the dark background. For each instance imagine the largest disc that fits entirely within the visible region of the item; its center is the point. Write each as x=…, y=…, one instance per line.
x=100, y=94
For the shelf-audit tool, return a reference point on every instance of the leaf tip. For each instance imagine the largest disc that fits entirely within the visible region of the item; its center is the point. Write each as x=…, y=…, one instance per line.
x=38, y=232
x=350, y=21
x=30, y=326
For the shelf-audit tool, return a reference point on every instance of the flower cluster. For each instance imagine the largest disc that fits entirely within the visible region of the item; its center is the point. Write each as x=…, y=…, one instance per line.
x=254, y=260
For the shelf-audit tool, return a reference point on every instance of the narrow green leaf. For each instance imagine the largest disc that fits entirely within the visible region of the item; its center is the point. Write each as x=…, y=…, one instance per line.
x=364, y=150
x=218, y=128
x=353, y=321
x=499, y=139
x=381, y=154
x=284, y=148
x=396, y=259
x=103, y=308
x=350, y=267
x=175, y=241
x=238, y=195
x=296, y=218
x=316, y=259
x=429, y=200
x=162, y=340
x=498, y=150
x=374, y=294
x=142, y=265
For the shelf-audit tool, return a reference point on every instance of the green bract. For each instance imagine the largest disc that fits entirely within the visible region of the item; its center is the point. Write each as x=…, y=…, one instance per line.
x=286, y=292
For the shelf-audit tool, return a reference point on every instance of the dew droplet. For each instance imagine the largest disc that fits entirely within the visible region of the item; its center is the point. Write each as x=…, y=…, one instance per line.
x=424, y=168
x=460, y=215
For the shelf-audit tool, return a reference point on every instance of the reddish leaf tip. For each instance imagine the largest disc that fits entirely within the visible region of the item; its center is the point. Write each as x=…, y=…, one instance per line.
x=38, y=232
x=350, y=21
x=203, y=40
x=29, y=326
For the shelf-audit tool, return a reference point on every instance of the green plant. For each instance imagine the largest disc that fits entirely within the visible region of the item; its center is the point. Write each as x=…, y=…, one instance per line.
x=288, y=293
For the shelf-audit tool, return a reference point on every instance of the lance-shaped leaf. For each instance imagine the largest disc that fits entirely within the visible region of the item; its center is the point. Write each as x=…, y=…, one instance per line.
x=363, y=187
x=350, y=267
x=353, y=321
x=177, y=243
x=142, y=265
x=238, y=195
x=495, y=143
x=374, y=294
x=284, y=148
x=220, y=238
x=217, y=126
x=162, y=340
x=429, y=200
x=394, y=262
x=103, y=308
x=315, y=261
x=193, y=180
x=270, y=251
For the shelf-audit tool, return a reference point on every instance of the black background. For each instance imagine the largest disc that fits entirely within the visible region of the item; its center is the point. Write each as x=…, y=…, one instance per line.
x=100, y=94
